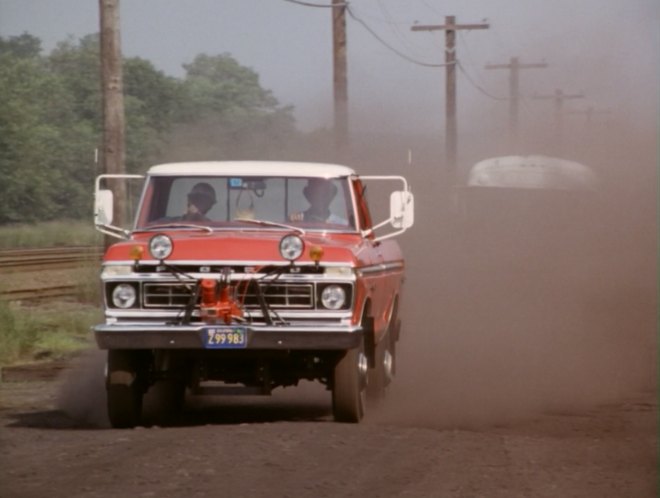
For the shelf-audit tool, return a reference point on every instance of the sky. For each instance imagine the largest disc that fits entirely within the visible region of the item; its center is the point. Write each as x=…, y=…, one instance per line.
x=607, y=49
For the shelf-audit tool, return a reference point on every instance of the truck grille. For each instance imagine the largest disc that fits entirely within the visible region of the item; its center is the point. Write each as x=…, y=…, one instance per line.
x=166, y=295
x=279, y=295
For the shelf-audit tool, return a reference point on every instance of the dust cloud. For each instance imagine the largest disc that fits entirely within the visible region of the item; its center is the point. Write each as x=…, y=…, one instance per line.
x=513, y=315
x=529, y=311
x=533, y=310
x=536, y=307
x=82, y=393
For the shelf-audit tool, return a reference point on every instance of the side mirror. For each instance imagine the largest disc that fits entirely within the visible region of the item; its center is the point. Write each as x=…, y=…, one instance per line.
x=402, y=209
x=103, y=206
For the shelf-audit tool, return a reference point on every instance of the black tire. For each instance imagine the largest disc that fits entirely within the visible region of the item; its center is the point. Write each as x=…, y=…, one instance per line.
x=349, y=386
x=124, y=386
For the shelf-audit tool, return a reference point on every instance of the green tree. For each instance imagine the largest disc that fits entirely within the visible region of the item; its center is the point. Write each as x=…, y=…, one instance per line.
x=149, y=96
x=34, y=116
x=22, y=46
x=51, y=121
x=158, y=94
x=77, y=64
x=219, y=85
x=225, y=113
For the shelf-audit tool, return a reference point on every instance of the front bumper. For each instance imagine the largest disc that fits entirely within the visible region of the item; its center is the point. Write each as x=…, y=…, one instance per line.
x=273, y=337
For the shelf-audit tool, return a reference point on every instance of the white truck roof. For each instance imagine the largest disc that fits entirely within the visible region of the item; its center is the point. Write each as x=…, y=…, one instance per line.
x=531, y=172
x=253, y=168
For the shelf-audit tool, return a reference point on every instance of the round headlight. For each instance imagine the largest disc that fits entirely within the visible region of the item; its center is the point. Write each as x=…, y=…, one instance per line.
x=333, y=297
x=291, y=247
x=123, y=296
x=160, y=247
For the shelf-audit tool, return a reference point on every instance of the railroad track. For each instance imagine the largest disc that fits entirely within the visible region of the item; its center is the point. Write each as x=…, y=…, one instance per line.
x=55, y=258
x=39, y=293
x=42, y=260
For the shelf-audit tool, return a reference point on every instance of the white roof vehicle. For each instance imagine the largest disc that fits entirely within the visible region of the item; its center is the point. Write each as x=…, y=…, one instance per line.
x=531, y=172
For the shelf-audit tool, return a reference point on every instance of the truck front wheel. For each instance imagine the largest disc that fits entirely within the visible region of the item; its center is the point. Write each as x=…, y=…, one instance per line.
x=349, y=386
x=124, y=385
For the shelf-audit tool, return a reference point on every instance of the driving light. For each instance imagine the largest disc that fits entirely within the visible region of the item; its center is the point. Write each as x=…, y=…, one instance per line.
x=123, y=296
x=333, y=297
x=136, y=253
x=291, y=247
x=160, y=247
x=316, y=253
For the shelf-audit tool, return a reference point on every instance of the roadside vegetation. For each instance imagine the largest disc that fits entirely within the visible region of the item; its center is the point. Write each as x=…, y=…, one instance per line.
x=50, y=234
x=50, y=329
x=34, y=333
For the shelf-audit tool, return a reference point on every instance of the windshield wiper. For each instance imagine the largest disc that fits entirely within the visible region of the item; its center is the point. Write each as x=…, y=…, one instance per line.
x=175, y=225
x=271, y=224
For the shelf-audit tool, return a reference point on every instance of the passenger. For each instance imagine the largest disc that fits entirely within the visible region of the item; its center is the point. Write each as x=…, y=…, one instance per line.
x=319, y=192
x=245, y=206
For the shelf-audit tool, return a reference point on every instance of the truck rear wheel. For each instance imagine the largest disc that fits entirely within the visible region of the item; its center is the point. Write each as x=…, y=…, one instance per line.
x=124, y=385
x=349, y=386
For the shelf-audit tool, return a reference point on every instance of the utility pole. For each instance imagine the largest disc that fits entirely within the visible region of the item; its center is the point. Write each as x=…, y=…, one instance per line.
x=514, y=67
x=340, y=80
x=113, y=104
x=558, y=98
x=451, y=136
x=590, y=112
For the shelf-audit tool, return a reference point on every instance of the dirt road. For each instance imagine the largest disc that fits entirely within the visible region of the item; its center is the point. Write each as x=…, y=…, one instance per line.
x=288, y=446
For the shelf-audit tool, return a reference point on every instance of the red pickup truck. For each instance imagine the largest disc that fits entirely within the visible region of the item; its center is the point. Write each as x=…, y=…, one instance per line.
x=245, y=276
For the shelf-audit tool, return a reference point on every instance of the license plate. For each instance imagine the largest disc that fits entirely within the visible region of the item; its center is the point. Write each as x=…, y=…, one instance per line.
x=225, y=337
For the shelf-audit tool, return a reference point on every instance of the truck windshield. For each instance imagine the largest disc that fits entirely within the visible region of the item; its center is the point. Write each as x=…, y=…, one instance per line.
x=229, y=202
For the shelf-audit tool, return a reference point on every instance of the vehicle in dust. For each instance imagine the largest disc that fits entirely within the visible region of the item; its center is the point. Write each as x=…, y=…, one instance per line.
x=501, y=193
x=244, y=276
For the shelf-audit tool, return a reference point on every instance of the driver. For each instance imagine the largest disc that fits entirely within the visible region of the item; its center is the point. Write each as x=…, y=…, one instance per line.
x=200, y=200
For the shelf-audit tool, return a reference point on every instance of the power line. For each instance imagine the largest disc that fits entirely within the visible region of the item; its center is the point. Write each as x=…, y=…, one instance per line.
x=387, y=45
x=475, y=85
x=479, y=86
x=369, y=30
x=323, y=6
x=394, y=26
x=433, y=9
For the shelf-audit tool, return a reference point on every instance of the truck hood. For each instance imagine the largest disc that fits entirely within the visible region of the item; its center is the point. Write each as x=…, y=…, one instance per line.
x=248, y=246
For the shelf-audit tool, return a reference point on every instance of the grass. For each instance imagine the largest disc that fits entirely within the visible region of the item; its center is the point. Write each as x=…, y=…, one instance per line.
x=53, y=329
x=50, y=234
x=44, y=332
